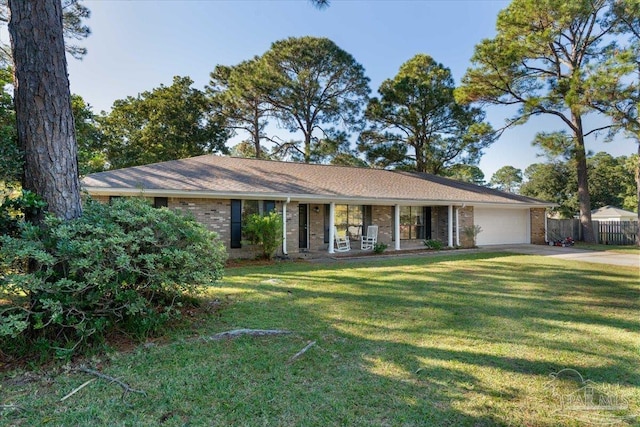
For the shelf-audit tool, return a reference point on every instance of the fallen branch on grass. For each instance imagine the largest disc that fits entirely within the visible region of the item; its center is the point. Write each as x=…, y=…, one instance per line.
x=301, y=352
x=77, y=389
x=240, y=332
x=125, y=387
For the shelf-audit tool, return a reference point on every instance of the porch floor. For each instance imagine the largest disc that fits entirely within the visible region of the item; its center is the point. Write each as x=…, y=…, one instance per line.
x=356, y=252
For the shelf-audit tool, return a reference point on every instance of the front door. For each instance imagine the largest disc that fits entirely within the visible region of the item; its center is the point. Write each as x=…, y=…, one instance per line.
x=303, y=226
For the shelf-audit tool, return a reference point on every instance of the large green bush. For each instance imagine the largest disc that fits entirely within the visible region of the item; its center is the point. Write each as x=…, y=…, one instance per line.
x=125, y=266
x=15, y=208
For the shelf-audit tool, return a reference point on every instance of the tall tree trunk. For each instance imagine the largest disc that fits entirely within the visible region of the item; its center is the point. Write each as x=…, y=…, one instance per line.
x=638, y=188
x=584, y=198
x=307, y=144
x=420, y=160
x=43, y=105
x=256, y=134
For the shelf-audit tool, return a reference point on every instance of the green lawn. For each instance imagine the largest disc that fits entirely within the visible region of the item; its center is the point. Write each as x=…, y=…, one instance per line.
x=629, y=249
x=433, y=340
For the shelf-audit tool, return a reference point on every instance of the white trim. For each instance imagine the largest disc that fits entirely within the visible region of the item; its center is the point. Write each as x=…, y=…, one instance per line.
x=450, y=226
x=306, y=198
x=332, y=225
x=284, y=226
x=457, y=226
x=546, y=225
x=396, y=226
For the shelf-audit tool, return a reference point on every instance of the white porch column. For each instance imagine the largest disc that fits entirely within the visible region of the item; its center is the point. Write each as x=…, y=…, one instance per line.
x=284, y=226
x=450, y=225
x=332, y=226
x=546, y=225
x=457, y=226
x=396, y=226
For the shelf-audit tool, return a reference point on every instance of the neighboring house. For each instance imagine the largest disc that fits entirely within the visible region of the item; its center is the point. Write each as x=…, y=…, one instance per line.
x=316, y=199
x=611, y=213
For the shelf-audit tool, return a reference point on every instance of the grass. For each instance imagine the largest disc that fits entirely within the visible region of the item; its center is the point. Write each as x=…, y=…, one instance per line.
x=467, y=340
x=629, y=249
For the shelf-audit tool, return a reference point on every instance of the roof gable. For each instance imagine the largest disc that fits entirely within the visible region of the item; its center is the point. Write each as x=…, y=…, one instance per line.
x=611, y=211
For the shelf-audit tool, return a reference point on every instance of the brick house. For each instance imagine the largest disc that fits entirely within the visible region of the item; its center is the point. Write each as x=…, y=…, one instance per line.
x=314, y=200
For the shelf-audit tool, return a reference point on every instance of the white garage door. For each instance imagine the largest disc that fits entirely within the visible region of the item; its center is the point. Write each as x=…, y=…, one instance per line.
x=502, y=226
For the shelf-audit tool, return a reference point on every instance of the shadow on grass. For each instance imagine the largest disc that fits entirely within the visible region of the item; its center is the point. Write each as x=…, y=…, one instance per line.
x=401, y=342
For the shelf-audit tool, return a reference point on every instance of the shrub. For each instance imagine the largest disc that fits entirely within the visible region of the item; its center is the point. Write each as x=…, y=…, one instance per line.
x=14, y=210
x=471, y=232
x=123, y=266
x=264, y=231
x=379, y=248
x=432, y=244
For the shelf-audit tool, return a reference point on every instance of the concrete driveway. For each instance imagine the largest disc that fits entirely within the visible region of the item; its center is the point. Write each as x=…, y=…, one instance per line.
x=571, y=253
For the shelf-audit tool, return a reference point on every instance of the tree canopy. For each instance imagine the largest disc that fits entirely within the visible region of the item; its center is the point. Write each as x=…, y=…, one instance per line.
x=540, y=60
x=91, y=154
x=614, y=89
x=610, y=178
x=166, y=123
x=466, y=173
x=507, y=178
x=74, y=14
x=237, y=97
x=553, y=182
x=417, y=124
x=314, y=88
x=11, y=160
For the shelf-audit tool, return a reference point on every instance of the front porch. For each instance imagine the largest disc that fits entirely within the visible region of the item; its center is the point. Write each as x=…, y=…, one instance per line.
x=400, y=227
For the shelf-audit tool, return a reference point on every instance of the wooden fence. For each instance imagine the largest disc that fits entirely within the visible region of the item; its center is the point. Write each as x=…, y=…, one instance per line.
x=606, y=232
x=616, y=232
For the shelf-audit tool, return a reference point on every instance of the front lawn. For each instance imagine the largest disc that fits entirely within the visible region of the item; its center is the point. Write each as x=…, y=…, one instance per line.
x=628, y=249
x=449, y=340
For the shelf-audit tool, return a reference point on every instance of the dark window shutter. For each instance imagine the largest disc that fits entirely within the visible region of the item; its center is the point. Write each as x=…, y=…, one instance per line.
x=393, y=223
x=368, y=218
x=327, y=209
x=427, y=222
x=236, y=223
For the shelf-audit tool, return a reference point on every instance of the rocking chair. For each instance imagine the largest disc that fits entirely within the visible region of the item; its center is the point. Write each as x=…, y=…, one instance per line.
x=343, y=244
x=368, y=242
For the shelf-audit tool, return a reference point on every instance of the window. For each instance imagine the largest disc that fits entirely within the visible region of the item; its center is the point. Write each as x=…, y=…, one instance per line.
x=413, y=222
x=241, y=209
x=160, y=202
x=262, y=207
x=352, y=219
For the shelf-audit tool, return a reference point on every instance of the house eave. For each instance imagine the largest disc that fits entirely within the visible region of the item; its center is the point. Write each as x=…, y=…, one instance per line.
x=306, y=198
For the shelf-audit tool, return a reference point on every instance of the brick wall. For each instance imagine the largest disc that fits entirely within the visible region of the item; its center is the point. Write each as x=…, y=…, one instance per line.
x=293, y=226
x=216, y=216
x=382, y=216
x=316, y=228
x=440, y=223
x=465, y=217
x=537, y=225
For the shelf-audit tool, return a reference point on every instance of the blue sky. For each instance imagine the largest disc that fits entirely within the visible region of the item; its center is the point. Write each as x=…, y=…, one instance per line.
x=138, y=45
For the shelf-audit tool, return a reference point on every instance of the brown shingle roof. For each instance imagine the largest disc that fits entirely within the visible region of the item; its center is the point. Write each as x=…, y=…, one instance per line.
x=216, y=176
